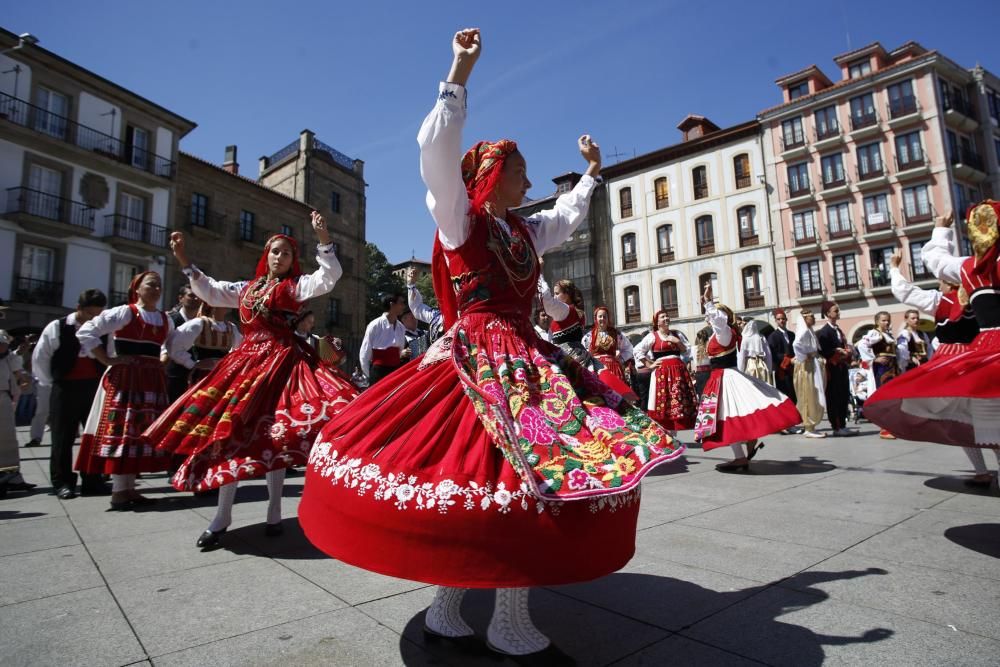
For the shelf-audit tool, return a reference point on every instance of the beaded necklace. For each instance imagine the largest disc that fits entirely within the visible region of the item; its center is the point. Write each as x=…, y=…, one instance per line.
x=255, y=298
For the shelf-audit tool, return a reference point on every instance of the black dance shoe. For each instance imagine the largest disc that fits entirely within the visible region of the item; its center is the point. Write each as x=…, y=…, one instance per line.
x=210, y=538
x=274, y=529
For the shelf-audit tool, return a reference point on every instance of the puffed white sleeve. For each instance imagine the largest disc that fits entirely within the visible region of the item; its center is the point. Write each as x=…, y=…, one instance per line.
x=365, y=354
x=865, y=344
x=555, y=308
x=625, y=350
x=551, y=227
x=41, y=356
x=108, y=322
x=420, y=310
x=719, y=322
x=237, y=337
x=903, y=349
x=182, y=340
x=939, y=258
x=214, y=292
x=322, y=280
x=585, y=341
x=688, y=351
x=440, y=140
x=642, y=348
x=926, y=300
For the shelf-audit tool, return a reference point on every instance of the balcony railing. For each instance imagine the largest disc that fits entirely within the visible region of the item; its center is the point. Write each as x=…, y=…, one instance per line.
x=666, y=255
x=788, y=143
x=662, y=202
x=805, y=239
x=879, y=277
x=967, y=157
x=847, y=285
x=335, y=155
x=629, y=262
x=632, y=316
x=921, y=274
x=42, y=292
x=912, y=163
x=743, y=182
x=59, y=127
x=43, y=205
x=671, y=310
x=749, y=239
x=879, y=221
x=847, y=229
x=872, y=172
x=132, y=229
x=834, y=182
x=706, y=247
x=903, y=106
x=862, y=120
x=700, y=192
x=753, y=299
x=810, y=289
x=826, y=132
x=798, y=190
x=950, y=102
x=918, y=217
x=290, y=149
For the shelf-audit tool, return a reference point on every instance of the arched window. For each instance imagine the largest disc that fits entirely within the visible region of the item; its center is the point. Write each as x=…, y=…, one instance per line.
x=741, y=168
x=753, y=296
x=625, y=202
x=633, y=313
x=665, y=243
x=704, y=280
x=747, y=218
x=699, y=176
x=705, y=234
x=662, y=190
x=668, y=297
x=630, y=259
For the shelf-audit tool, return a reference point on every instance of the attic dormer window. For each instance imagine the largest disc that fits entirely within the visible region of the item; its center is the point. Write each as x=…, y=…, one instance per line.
x=798, y=90
x=859, y=68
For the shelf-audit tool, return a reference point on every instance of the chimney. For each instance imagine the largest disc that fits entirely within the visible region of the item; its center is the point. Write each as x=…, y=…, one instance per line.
x=231, y=165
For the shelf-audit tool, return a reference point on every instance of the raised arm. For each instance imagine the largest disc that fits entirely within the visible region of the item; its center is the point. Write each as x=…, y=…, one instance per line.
x=420, y=310
x=551, y=227
x=211, y=291
x=440, y=140
x=719, y=322
x=322, y=280
x=555, y=308
x=938, y=254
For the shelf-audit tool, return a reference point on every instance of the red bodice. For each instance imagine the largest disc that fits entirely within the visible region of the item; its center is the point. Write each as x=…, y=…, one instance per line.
x=139, y=337
x=664, y=346
x=955, y=323
x=267, y=308
x=981, y=281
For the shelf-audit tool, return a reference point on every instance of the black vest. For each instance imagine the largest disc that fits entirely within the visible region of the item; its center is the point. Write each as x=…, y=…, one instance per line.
x=64, y=358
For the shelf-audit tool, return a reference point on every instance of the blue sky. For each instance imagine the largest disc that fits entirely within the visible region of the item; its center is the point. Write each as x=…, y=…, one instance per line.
x=363, y=75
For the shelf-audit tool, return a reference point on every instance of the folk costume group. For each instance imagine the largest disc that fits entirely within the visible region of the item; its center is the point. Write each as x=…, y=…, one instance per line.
x=507, y=438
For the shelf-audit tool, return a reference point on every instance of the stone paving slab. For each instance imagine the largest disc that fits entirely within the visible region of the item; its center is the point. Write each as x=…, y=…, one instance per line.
x=45, y=533
x=40, y=574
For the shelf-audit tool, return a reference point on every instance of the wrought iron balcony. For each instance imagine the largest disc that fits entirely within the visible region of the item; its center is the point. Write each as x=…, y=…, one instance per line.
x=753, y=299
x=633, y=315
x=879, y=277
x=629, y=262
x=23, y=113
x=912, y=163
x=50, y=207
x=966, y=157
x=132, y=229
x=903, y=106
x=844, y=230
x=662, y=202
x=871, y=172
x=951, y=102
x=921, y=274
x=878, y=221
x=863, y=120
x=335, y=155
x=846, y=285
x=706, y=247
x=839, y=181
x=796, y=140
x=828, y=132
x=749, y=240
x=805, y=239
x=41, y=292
x=798, y=190
x=671, y=310
x=700, y=192
x=810, y=289
x=743, y=182
x=666, y=255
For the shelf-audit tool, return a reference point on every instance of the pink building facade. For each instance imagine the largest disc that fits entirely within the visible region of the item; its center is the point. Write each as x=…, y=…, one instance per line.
x=863, y=166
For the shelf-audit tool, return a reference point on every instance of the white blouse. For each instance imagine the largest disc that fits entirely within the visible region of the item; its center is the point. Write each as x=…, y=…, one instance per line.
x=187, y=335
x=440, y=140
x=113, y=319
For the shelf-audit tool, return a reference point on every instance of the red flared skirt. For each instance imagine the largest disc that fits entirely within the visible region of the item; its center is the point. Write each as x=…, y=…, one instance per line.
x=737, y=408
x=953, y=399
x=673, y=401
x=129, y=398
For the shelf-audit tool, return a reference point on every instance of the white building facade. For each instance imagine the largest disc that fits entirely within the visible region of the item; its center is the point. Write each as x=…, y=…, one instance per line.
x=87, y=176
x=686, y=215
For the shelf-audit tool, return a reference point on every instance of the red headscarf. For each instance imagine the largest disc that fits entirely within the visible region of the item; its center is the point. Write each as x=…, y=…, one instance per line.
x=656, y=316
x=294, y=272
x=481, y=168
x=594, y=330
x=133, y=288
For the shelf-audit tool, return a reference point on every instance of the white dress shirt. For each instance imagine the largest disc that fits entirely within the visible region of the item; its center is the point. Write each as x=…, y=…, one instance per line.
x=380, y=335
x=187, y=335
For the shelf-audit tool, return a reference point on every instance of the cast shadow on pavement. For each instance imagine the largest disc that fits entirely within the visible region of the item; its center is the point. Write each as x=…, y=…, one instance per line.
x=806, y=465
x=957, y=485
x=14, y=514
x=251, y=541
x=980, y=537
x=572, y=616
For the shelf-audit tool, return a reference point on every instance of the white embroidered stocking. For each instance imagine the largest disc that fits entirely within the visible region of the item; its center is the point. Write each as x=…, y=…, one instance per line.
x=511, y=630
x=275, y=482
x=444, y=616
x=224, y=513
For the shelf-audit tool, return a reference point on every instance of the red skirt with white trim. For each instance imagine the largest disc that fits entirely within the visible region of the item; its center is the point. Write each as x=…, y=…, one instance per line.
x=737, y=408
x=673, y=401
x=953, y=399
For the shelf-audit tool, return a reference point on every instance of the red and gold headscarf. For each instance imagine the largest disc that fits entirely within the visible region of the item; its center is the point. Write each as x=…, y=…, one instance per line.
x=294, y=271
x=133, y=288
x=481, y=168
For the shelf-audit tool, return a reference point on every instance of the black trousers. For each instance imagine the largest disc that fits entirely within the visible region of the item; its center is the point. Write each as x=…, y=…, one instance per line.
x=785, y=385
x=838, y=395
x=380, y=372
x=68, y=409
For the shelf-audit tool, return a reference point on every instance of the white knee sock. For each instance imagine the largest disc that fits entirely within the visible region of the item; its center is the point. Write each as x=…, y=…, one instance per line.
x=275, y=482
x=976, y=458
x=738, y=450
x=444, y=616
x=511, y=630
x=224, y=513
x=120, y=483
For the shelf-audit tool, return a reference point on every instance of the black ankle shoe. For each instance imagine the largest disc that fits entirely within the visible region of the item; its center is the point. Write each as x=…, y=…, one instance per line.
x=274, y=529
x=210, y=538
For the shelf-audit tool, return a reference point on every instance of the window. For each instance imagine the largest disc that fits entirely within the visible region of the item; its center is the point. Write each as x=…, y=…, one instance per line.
x=199, y=210
x=286, y=230
x=741, y=168
x=633, y=313
x=859, y=68
x=838, y=220
x=993, y=102
x=37, y=263
x=625, y=202
x=869, y=161
x=665, y=243
x=791, y=133
x=863, y=111
x=753, y=297
x=908, y=151
x=798, y=179
x=661, y=190
x=746, y=217
x=130, y=223
x=954, y=155
x=901, y=99
x=810, y=283
x=917, y=269
x=705, y=234
x=827, y=124
x=629, y=258
x=880, y=266
x=333, y=313
x=50, y=117
x=668, y=297
x=804, y=227
x=699, y=175
x=877, y=213
x=246, y=226
x=845, y=273
x=833, y=170
x=917, y=204
x=137, y=145
x=704, y=280
x=954, y=98
x=798, y=90
x=132, y=207
x=44, y=196
x=120, y=281
x=335, y=201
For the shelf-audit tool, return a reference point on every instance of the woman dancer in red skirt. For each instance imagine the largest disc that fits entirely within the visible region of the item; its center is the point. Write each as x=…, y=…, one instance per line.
x=609, y=346
x=954, y=399
x=673, y=401
x=261, y=406
x=736, y=408
x=132, y=393
x=495, y=460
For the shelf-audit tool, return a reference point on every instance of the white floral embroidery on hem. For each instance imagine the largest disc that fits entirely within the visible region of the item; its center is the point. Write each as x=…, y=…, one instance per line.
x=406, y=491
